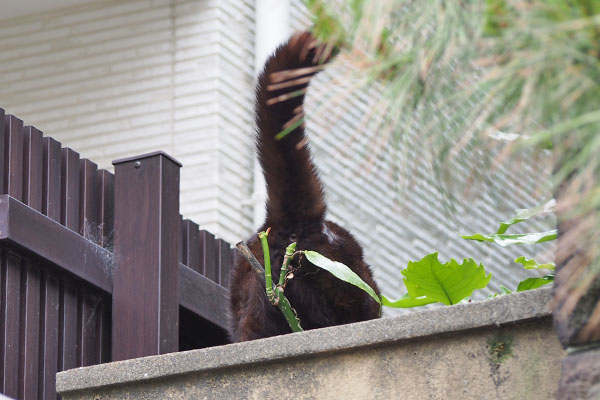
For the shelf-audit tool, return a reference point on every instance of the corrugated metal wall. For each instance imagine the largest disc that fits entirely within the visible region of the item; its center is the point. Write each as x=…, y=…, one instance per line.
x=117, y=78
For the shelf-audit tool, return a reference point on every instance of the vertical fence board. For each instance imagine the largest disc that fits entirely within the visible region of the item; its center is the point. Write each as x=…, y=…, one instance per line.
x=67, y=328
x=13, y=154
x=9, y=339
x=49, y=305
x=146, y=255
x=103, y=324
x=90, y=306
x=70, y=317
x=88, y=212
x=51, y=188
x=191, y=245
x=30, y=339
x=50, y=296
x=33, y=168
x=70, y=189
x=11, y=283
x=106, y=202
x=210, y=254
x=2, y=161
x=88, y=302
x=31, y=286
x=225, y=261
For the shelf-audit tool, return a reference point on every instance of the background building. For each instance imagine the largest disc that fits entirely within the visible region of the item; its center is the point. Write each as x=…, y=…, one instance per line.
x=116, y=78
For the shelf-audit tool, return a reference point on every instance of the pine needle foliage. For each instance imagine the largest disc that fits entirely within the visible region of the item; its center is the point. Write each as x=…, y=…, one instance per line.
x=512, y=76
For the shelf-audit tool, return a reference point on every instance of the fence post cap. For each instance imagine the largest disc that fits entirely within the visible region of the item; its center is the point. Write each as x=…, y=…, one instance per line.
x=147, y=155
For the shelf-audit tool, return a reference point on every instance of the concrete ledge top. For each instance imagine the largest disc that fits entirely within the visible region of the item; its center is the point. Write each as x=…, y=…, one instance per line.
x=499, y=311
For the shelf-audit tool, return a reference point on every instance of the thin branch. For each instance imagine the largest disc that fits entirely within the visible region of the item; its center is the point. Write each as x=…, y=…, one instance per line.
x=245, y=251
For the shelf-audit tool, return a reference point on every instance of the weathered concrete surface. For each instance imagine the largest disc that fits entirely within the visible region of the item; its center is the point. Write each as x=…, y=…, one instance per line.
x=499, y=349
x=580, y=377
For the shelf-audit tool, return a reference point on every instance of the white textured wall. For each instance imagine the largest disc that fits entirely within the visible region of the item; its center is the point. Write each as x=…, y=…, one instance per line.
x=118, y=78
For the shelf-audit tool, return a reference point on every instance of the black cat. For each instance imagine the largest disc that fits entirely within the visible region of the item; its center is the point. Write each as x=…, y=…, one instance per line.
x=295, y=212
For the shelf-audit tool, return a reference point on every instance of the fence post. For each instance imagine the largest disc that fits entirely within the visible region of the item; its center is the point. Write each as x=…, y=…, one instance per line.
x=145, y=308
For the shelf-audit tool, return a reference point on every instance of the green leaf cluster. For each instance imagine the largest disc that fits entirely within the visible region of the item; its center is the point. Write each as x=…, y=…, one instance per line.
x=427, y=281
x=503, y=239
x=446, y=283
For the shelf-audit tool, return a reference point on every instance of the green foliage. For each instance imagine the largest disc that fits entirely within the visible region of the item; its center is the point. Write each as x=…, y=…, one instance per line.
x=446, y=283
x=526, y=213
x=340, y=271
x=517, y=238
x=532, y=264
x=406, y=301
x=428, y=281
x=534, y=283
x=493, y=69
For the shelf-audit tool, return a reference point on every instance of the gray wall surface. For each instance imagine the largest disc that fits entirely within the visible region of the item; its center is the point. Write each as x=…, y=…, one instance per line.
x=498, y=349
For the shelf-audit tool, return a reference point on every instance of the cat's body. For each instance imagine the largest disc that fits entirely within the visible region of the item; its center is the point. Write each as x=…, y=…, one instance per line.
x=295, y=212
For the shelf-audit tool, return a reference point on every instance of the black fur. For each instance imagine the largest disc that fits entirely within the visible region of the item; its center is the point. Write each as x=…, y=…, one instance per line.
x=295, y=212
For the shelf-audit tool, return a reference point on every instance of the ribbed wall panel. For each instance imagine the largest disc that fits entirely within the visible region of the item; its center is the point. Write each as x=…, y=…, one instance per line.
x=118, y=78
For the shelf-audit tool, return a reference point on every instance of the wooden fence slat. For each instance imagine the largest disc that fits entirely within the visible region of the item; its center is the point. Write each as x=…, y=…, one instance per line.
x=31, y=286
x=33, y=173
x=49, y=307
x=103, y=324
x=69, y=298
x=106, y=203
x=9, y=339
x=90, y=306
x=146, y=255
x=210, y=253
x=13, y=153
x=67, y=328
x=89, y=303
x=225, y=261
x=70, y=189
x=50, y=296
x=2, y=161
x=11, y=282
x=88, y=212
x=191, y=247
x=51, y=187
x=30, y=329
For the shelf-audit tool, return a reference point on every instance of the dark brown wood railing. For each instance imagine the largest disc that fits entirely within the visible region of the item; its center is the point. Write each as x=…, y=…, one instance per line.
x=97, y=266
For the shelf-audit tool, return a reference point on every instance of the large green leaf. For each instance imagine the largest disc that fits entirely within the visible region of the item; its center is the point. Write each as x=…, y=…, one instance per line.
x=532, y=264
x=534, y=283
x=340, y=271
x=447, y=283
x=517, y=238
x=524, y=214
x=406, y=301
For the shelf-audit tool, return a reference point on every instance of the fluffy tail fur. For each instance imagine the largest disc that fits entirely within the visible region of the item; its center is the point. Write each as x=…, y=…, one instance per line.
x=295, y=193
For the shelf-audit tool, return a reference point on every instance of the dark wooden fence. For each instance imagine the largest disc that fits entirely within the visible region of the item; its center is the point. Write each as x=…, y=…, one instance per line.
x=97, y=267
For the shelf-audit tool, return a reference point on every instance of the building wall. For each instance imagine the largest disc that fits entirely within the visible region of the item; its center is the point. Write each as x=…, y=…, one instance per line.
x=117, y=78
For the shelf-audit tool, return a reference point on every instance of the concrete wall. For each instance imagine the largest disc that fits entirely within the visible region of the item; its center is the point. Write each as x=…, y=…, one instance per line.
x=497, y=349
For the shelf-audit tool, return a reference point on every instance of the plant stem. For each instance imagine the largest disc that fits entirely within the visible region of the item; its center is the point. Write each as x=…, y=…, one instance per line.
x=275, y=294
x=289, y=254
x=267, y=256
